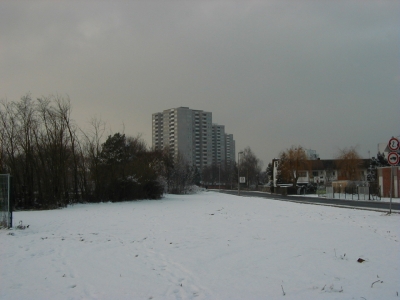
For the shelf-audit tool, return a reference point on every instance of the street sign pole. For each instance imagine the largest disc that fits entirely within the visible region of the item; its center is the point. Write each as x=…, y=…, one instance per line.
x=391, y=189
x=393, y=160
x=239, y=154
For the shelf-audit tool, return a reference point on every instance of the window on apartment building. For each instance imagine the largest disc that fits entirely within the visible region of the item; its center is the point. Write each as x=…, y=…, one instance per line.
x=315, y=173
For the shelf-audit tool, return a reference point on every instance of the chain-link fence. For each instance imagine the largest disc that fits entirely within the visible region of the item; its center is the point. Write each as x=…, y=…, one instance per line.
x=321, y=191
x=5, y=201
x=329, y=192
x=353, y=191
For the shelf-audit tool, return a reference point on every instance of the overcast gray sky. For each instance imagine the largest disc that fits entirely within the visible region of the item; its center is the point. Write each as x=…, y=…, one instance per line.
x=321, y=74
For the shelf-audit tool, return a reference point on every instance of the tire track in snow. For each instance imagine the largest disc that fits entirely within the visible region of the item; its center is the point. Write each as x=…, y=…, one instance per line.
x=183, y=283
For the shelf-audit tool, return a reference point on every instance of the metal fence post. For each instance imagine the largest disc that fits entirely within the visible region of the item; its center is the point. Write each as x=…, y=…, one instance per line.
x=10, y=199
x=5, y=201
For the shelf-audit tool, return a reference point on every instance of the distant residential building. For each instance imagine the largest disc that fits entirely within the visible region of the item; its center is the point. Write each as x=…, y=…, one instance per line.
x=218, y=144
x=384, y=175
x=275, y=172
x=321, y=171
x=311, y=154
x=383, y=148
x=389, y=183
x=230, y=150
x=191, y=134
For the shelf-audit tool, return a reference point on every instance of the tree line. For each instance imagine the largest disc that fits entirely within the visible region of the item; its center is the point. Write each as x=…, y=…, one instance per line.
x=249, y=166
x=55, y=163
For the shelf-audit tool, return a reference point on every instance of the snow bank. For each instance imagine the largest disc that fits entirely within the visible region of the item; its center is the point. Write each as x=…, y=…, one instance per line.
x=202, y=246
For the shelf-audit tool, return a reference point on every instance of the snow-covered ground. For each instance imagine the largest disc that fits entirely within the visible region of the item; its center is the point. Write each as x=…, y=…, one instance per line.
x=203, y=246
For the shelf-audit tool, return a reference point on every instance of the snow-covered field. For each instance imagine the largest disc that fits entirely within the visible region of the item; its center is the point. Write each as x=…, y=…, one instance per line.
x=202, y=246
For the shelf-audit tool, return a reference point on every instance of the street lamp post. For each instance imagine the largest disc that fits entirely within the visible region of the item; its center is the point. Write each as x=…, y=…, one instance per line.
x=239, y=154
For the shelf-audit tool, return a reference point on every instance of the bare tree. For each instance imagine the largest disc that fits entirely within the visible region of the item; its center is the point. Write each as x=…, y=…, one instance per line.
x=55, y=150
x=182, y=175
x=91, y=149
x=8, y=135
x=216, y=173
x=250, y=166
x=17, y=124
x=64, y=110
x=166, y=167
x=25, y=113
x=55, y=163
x=36, y=149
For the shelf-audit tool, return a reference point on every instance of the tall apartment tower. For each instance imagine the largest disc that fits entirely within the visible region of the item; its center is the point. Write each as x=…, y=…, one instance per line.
x=185, y=131
x=230, y=150
x=223, y=146
x=218, y=144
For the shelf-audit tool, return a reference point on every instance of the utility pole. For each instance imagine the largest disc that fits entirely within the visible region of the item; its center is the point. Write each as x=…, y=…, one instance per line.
x=239, y=154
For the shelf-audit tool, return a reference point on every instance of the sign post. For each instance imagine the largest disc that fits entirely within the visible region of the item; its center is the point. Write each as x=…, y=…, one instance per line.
x=393, y=160
x=239, y=154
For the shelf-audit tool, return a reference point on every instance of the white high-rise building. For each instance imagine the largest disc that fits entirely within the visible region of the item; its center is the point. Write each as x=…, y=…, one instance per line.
x=185, y=131
x=230, y=150
x=218, y=144
x=191, y=133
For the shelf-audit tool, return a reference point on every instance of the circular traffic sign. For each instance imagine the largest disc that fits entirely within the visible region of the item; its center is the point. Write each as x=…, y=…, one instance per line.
x=393, y=158
x=394, y=144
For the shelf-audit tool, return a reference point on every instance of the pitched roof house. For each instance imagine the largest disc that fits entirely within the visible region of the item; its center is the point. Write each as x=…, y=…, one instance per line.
x=323, y=171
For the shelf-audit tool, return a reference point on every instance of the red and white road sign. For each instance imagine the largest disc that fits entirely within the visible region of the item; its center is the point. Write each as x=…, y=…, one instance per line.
x=393, y=158
x=394, y=144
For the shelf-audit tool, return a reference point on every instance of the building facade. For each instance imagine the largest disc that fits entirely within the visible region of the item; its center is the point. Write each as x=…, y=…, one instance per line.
x=218, y=144
x=192, y=134
x=322, y=171
x=230, y=150
x=311, y=154
x=389, y=189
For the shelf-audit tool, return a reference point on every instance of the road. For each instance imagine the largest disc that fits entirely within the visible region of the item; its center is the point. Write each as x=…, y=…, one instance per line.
x=361, y=204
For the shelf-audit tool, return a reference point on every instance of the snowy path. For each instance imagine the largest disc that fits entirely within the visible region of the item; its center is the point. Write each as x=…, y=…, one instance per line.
x=204, y=246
